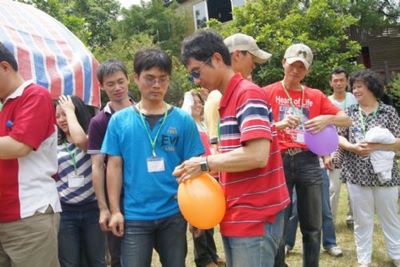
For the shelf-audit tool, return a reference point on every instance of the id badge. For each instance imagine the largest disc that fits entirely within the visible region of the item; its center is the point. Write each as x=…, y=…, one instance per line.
x=76, y=181
x=300, y=137
x=155, y=164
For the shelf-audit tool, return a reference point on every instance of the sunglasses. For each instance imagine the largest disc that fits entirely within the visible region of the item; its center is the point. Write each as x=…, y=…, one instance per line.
x=195, y=74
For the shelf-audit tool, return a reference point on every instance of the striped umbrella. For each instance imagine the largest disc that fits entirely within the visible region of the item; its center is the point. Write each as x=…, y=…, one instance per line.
x=48, y=53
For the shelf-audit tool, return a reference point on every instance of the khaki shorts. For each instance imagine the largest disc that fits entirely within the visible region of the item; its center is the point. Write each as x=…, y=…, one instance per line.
x=30, y=242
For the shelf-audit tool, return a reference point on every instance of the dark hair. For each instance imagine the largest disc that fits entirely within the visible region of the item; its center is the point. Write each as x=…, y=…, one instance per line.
x=6, y=55
x=202, y=45
x=109, y=67
x=82, y=114
x=371, y=81
x=146, y=59
x=338, y=71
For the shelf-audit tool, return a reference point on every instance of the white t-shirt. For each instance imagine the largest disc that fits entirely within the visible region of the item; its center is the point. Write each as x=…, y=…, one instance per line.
x=348, y=101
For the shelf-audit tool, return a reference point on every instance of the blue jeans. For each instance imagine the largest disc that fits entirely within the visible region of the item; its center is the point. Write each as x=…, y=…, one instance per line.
x=303, y=172
x=81, y=228
x=257, y=251
x=328, y=227
x=167, y=236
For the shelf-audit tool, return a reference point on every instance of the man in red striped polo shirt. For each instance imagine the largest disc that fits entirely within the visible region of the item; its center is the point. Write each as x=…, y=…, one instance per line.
x=250, y=161
x=29, y=202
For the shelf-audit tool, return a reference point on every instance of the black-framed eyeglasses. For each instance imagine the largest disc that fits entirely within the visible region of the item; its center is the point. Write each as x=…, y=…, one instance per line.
x=195, y=74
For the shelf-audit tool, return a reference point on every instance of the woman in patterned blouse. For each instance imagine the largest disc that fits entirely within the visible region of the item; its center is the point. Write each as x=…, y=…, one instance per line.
x=366, y=188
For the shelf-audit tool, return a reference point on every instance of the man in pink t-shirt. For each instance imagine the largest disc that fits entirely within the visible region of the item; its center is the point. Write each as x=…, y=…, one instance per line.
x=29, y=202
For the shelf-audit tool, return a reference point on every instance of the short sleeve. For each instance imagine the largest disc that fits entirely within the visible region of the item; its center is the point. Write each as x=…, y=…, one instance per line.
x=192, y=143
x=34, y=119
x=96, y=136
x=111, y=142
x=327, y=107
x=253, y=115
x=394, y=122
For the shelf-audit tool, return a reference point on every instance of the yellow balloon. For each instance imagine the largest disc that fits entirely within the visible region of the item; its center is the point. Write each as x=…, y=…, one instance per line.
x=202, y=201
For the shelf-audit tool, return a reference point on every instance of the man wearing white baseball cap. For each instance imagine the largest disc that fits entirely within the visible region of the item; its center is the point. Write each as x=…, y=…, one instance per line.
x=297, y=108
x=245, y=53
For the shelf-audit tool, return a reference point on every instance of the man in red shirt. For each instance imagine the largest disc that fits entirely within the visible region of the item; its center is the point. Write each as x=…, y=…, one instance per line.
x=250, y=162
x=29, y=202
x=297, y=108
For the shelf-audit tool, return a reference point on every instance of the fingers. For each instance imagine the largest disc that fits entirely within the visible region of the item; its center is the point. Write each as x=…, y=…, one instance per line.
x=178, y=171
x=104, y=226
x=118, y=229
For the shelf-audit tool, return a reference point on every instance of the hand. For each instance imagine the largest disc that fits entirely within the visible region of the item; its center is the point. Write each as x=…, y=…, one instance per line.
x=372, y=146
x=290, y=121
x=196, y=232
x=117, y=224
x=318, y=123
x=104, y=219
x=328, y=162
x=188, y=169
x=361, y=149
x=66, y=103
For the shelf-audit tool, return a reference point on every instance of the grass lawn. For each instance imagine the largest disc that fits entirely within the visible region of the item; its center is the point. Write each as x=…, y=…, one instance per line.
x=344, y=238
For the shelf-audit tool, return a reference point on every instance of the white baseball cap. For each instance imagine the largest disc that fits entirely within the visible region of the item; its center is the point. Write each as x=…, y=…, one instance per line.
x=243, y=42
x=299, y=52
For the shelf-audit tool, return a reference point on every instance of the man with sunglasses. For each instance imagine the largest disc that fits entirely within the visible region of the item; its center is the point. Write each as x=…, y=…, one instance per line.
x=144, y=143
x=250, y=163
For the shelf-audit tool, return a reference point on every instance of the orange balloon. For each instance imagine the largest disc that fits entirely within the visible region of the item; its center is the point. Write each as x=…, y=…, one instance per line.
x=202, y=201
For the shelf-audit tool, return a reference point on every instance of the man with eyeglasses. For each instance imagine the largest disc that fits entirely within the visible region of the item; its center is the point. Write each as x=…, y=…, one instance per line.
x=144, y=144
x=250, y=164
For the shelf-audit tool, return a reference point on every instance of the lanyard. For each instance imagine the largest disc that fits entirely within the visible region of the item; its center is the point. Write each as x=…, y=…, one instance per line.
x=1, y=106
x=364, y=120
x=72, y=155
x=300, y=113
x=153, y=141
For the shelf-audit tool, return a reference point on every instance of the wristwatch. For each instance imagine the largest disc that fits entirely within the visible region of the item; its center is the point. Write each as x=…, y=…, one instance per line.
x=204, y=164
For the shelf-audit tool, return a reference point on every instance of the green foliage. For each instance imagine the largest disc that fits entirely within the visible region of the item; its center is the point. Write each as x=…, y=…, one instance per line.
x=164, y=24
x=124, y=49
x=375, y=15
x=394, y=91
x=90, y=20
x=276, y=24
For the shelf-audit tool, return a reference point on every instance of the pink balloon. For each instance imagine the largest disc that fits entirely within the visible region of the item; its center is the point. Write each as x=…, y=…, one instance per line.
x=323, y=143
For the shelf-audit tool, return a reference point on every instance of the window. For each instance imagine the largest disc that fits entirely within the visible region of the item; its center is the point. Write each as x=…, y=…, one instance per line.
x=200, y=15
x=220, y=10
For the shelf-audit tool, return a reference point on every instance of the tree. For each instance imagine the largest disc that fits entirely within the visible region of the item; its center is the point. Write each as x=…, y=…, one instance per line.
x=276, y=24
x=375, y=15
x=90, y=20
x=164, y=24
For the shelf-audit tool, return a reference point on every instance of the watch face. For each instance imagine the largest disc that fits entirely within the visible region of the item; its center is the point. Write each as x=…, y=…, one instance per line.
x=204, y=166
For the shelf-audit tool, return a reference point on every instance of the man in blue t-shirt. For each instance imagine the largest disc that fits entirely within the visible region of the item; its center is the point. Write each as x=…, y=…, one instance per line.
x=145, y=143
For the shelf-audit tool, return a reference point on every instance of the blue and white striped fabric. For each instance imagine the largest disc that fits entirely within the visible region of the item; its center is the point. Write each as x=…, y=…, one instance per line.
x=48, y=53
x=81, y=195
